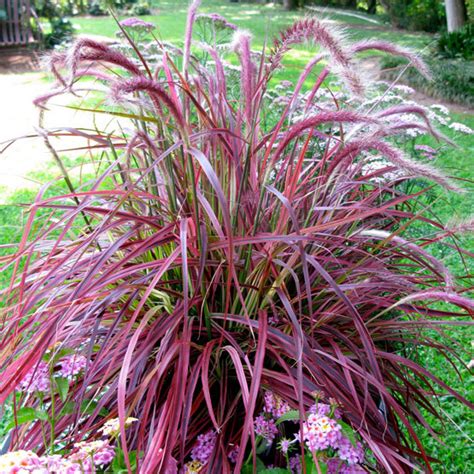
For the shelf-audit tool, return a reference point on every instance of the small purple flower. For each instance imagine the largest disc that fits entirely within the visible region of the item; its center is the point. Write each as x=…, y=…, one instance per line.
x=37, y=379
x=218, y=20
x=355, y=469
x=233, y=453
x=72, y=365
x=286, y=84
x=295, y=464
x=350, y=453
x=266, y=428
x=426, y=151
x=204, y=447
x=334, y=465
x=274, y=405
x=285, y=445
x=322, y=409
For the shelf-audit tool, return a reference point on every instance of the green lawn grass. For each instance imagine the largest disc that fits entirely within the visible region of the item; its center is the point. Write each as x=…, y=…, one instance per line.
x=264, y=22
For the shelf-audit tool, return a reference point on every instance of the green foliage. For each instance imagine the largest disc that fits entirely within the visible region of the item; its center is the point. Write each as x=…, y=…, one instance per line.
x=140, y=9
x=96, y=8
x=336, y=3
x=61, y=31
x=425, y=15
x=457, y=44
x=453, y=80
x=53, y=8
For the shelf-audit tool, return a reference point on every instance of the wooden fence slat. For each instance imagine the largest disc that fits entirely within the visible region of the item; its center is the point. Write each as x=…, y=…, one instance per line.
x=26, y=22
x=10, y=21
x=16, y=22
x=3, y=24
x=16, y=29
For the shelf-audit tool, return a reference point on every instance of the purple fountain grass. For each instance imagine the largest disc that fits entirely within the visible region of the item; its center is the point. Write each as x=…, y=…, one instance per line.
x=225, y=255
x=394, y=49
x=324, y=35
x=241, y=45
x=188, y=35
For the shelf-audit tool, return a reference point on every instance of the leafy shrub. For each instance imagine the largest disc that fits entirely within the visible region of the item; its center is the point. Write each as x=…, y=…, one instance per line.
x=228, y=248
x=457, y=44
x=140, y=8
x=453, y=80
x=425, y=15
x=62, y=31
x=96, y=8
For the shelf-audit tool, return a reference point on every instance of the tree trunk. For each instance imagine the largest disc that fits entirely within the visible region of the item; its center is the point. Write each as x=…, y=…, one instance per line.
x=372, y=7
x=290, y=4
x=455, y=14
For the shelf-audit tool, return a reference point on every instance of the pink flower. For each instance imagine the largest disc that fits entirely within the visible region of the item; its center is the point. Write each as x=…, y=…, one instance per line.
x=104, y=456
x=99, y=452
x=218, y=20
x=72, y=365
x=321, y=432
x=137, y=23
x=204, y=447
x=37, y=379
x=58, y=464
x=21, y=461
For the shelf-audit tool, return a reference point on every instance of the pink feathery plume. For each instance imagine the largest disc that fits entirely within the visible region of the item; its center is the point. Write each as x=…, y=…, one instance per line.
x=461, y=227
x=321, y=33
x=188, y=36
x=155, y=91
x=220, y=74
x=445, y=296
x=394, y=49
x=41, y=100
x=407, y=109
x=241, y=45
x=414, y=249
x=398, y=159
x=90, y=50
x=395, y=127
x=53, y=62
x=304, y=75
x=346, y=116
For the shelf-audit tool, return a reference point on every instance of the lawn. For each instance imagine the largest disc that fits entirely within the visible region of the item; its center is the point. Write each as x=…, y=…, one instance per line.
x=264, y=22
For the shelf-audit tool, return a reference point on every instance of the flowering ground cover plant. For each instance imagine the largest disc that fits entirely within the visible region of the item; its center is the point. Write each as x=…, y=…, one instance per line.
x=237, y=290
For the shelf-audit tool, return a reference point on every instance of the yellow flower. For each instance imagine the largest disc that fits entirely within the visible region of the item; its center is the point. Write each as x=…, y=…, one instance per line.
x=193, y=467
x=112, y=427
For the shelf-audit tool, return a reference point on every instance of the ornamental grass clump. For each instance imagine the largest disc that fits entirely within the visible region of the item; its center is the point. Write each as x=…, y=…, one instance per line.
x=239, y=283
